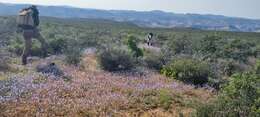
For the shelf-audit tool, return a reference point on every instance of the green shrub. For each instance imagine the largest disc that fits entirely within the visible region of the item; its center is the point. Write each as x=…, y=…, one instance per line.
x=165, y=99
x=238, y=50
x=131, y=43
x=154, y=60
x=157, y=98
x=3, y=65
x=230, y=67
x=257, y=50
x=210, y=46
x=17, y=45
x=36, y=49
x=257, y=67
x=255, y=109
x=176, y=46
x=116, y=60
x=73, y=54
x=16, y=48
x=188, y=70
x=57, y=45
x=205, y=110
x=239, y=98
x=150, y=99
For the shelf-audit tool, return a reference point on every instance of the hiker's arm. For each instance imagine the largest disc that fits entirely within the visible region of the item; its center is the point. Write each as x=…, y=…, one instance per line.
x=36, y=16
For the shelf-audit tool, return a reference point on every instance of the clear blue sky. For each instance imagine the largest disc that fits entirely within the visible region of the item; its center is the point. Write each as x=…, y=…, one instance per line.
x=237, y=8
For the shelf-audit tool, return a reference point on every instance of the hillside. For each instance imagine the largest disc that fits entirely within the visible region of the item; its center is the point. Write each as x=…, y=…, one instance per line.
x=100, y=68
x=145, y=19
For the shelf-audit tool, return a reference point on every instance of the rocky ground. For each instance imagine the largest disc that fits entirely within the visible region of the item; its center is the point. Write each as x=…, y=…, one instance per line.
x=87, y=91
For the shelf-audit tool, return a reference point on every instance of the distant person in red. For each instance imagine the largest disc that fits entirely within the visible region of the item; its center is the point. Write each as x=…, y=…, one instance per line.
x=28, y=21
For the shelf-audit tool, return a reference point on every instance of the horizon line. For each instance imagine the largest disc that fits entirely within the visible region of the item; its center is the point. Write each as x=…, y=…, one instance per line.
x=77, y=7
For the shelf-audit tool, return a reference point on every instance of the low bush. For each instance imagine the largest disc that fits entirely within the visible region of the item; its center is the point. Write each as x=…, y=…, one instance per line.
x=177, y=46
x=188, y=70
x=57, y=46
x=73, y=54
x=165, y=99
x=116, y=60
x=160, y=98
x=154, y=60
x=257, y=67
x=210, y=46
x=17, y=45
x=239, y=50
x=239, y=98
x=227, y=67
x=131, y=43
x=3, y=65
x=36, y=49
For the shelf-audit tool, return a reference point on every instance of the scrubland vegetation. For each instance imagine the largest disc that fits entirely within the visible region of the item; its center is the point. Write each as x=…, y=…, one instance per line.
x=109, y=71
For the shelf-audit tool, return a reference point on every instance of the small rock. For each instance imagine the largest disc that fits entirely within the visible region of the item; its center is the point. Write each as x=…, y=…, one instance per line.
x=49, y=68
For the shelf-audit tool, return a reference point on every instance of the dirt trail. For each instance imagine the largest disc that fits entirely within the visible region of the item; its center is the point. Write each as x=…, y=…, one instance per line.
x=151, y=48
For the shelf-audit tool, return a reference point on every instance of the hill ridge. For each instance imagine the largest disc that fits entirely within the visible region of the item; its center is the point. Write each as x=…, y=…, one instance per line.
x=152, y=19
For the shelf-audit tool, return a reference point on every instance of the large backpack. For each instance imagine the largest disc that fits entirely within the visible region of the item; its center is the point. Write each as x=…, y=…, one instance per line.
x=25, y=19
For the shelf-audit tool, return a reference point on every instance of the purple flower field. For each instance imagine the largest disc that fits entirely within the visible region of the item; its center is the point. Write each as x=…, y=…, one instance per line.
x=96, y=93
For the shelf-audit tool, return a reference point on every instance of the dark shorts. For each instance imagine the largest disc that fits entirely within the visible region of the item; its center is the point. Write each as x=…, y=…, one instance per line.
x=31, y=33
x=26, y=27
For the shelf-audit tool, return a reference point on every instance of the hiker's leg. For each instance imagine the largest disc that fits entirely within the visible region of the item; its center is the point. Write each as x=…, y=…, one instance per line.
x=44, y=45
x=27, y=47
x=147, y=42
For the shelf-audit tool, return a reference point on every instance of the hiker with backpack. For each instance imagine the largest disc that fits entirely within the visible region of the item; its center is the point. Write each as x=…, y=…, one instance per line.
x=28, y=21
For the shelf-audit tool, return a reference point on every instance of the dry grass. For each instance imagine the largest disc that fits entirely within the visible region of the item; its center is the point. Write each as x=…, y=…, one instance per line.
x=96, y=93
